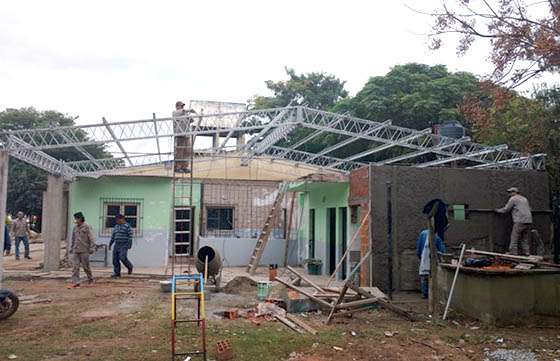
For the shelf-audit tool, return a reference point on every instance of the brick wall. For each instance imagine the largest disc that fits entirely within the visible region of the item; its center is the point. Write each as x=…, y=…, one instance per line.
x=252, y=202
x=359, y=196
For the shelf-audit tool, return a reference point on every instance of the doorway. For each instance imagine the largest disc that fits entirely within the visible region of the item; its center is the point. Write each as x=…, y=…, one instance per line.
x=183, y=231
x=343, y=217
x=331, y=239
x=311, y=245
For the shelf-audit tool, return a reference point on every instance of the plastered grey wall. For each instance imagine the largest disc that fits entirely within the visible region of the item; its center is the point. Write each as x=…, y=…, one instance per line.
x=412, y=188
x=149, y=250
x=237, y=251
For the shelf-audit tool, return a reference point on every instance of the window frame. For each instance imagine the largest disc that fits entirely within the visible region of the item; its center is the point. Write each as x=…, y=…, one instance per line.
x=219, y=207
x=122, y=203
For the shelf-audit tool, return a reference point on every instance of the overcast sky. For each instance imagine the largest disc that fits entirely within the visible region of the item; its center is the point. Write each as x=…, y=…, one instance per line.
x=127, y=59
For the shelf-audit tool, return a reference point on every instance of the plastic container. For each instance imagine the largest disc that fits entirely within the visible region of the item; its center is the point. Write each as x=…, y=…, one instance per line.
x=263, y=288
x=314, y=268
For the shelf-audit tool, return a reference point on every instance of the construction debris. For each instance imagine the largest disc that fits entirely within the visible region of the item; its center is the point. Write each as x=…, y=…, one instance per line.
x=505, y=262
x=345, y=301
x=224, y=350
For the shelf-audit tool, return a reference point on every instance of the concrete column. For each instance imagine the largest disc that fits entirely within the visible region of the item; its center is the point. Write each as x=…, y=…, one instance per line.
x=216, y=140
x=240, y=141
x=53, y=218
x=3, y=197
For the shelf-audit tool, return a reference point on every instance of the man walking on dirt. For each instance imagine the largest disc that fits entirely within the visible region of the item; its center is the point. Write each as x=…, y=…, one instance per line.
x=122, y=238
x=83, y=244
x=522, y=221
x=20, y=230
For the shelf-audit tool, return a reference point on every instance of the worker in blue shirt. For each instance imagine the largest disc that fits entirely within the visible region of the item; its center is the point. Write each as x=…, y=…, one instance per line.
x=122, y=238
x=423, y=253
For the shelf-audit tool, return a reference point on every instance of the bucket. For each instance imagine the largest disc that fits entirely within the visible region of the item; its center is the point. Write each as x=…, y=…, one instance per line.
x=263, y=288
x=272, y=272
x=314, y=269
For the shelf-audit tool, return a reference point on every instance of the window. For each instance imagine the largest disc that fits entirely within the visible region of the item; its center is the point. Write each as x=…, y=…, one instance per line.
x=129, y=208
x=219, y=218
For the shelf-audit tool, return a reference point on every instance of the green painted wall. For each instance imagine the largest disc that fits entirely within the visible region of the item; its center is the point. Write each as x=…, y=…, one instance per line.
x=155, y=193
x=321, y=196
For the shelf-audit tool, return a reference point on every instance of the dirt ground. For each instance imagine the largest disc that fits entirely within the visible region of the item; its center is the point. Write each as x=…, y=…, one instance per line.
x=129, y=320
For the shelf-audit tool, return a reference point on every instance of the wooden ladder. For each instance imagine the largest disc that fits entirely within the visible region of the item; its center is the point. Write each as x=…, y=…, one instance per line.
x=267, y=229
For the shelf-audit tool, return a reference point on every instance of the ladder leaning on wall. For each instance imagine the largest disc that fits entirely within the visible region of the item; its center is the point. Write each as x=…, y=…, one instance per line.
x=267, y=229
x=182, y=239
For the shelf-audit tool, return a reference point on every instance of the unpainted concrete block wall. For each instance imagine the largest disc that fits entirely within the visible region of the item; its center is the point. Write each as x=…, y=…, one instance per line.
x=412, y=188
x=252, y=202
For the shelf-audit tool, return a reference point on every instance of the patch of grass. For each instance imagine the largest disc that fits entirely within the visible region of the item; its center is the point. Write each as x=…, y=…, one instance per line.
x=96, y=330
x=270, y=341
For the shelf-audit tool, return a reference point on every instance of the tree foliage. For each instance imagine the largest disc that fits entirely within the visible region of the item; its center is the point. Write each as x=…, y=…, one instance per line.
x=502, y=116
x=315, y=90
x=523, y=44
x=26, y=182
x=412, y=95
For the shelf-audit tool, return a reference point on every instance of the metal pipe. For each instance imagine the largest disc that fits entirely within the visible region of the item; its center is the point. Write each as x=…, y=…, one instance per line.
x=454, y=280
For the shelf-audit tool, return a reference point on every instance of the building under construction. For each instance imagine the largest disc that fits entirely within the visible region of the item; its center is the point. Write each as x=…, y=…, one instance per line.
x=257, y=194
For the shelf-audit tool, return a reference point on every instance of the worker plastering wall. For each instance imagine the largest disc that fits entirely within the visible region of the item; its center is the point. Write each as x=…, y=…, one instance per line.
x=413, y=187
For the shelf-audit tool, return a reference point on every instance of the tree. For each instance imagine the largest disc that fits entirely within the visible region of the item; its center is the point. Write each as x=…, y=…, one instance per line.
x=26, y=182
x=502, y=116
x=315, y=90
x=412, y=95
x=523, y=44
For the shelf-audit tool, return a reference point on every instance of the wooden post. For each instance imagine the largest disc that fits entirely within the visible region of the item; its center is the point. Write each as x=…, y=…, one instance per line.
x=433, y=297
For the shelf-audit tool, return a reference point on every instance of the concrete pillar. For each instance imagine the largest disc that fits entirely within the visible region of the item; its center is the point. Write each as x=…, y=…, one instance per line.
x=3, y=197
x=240, y=141
x=53, y=218
x=216, y=140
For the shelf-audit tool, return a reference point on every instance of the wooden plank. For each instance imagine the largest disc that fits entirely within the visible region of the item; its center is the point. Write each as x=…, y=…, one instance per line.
x=288, y=323
x=385, y=304
x=347, y=312
x=432, y=295
x=338, y=301
x=301, y=324
x=352, y=304
x=536, y=260
x=307, y=294
x=311, y=283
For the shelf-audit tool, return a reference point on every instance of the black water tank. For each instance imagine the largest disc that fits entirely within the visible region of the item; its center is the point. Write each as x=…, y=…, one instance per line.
x=452, y=129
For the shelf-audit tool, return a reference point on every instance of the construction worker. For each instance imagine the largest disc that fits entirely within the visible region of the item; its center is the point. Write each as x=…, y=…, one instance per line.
x=522, y=221
x=183, y=144
x=122, y=238
x=83, y=245
x=423, y=253
x=20, y=231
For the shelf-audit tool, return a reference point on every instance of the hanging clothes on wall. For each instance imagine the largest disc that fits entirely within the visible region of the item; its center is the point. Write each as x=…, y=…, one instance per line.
x=440, y=216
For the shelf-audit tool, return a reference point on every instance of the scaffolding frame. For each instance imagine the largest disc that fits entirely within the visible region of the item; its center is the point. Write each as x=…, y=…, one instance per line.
x=267, y=128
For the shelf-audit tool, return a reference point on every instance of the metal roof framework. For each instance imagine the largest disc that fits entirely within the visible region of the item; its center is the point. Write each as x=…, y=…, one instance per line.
x=272, y=135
